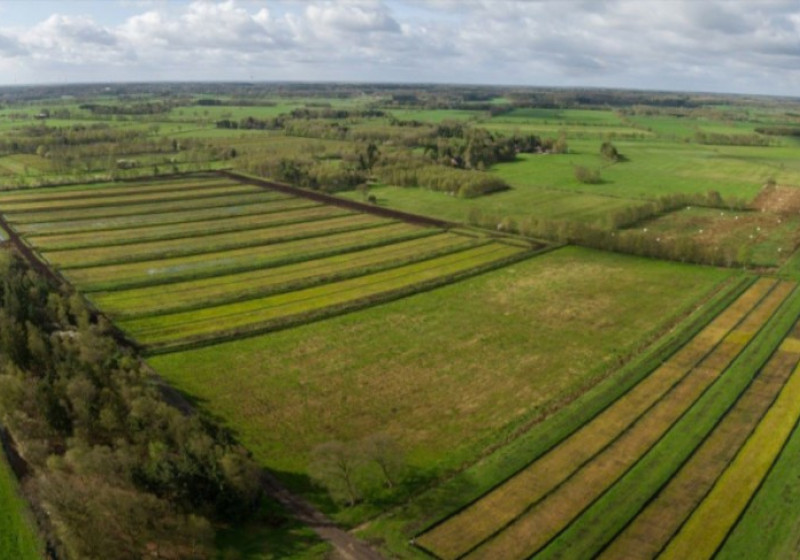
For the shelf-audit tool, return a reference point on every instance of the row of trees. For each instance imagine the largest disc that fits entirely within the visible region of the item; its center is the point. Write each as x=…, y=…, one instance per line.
x=115, y=471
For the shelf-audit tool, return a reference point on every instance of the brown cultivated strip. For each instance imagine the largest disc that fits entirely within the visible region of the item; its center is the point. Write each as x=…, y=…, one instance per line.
x=528, y=533
x=710, y=523
x=501, y=506
x=652, y=529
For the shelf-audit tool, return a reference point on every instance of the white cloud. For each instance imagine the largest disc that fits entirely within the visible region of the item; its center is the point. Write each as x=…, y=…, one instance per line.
x=628, y=43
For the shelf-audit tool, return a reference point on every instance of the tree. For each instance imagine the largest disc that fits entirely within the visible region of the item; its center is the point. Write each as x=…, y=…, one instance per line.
x=386, y=453
x=610, y=153
x=336, y=466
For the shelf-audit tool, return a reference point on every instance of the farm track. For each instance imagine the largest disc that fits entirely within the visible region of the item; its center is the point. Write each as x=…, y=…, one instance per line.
x=510, y=509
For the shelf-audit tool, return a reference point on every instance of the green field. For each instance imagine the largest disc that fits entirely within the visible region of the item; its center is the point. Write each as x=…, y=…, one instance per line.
x=548, y=401
x=572, y=502
x=18, y=536
x=306, y=386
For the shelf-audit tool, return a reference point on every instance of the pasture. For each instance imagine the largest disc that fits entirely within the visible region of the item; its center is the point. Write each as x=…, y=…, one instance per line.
x=394, y=367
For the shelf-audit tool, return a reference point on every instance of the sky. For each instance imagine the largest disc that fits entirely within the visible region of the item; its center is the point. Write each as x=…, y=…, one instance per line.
x=748, y=46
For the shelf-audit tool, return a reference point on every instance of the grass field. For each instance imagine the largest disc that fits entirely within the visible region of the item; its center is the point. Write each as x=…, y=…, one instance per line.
x=289, y=381
x=595, y=451
x=18, y=537
x=576, y=515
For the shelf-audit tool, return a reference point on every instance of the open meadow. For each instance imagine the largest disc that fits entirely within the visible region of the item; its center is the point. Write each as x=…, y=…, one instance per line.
x=515, y=330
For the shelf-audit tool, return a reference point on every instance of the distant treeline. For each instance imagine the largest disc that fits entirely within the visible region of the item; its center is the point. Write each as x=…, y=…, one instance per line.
x=779, y=130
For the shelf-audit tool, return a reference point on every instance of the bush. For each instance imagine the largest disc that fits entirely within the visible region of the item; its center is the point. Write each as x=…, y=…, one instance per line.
x=587, y=176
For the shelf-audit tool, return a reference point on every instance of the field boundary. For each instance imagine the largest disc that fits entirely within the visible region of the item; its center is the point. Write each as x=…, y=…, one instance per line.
x=336, y=201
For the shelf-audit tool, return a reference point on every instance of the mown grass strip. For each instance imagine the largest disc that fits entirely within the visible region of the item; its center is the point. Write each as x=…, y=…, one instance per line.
x=108, y=189
x=136, y=221
x=185, y=193
x=475, y=524
x=348, y=306
x=195, y=245
x=195, y=294
x=774, y=506
x=217, y=201
x=649, y=532
x=85, y=240
x=162, y=271
x=550, y=515
x=716, y=516
x=175, y=327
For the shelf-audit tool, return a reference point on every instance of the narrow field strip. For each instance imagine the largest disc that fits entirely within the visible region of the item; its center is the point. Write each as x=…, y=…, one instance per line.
x=478, y=522
x=208, y=321
x=108, y=189
x=715, y=517
x=194, y=294
x=134, y=222
x=194, y=245
x=116, y=200
x=247, y=197
x=532, y=531
x=161, y=271
x=85, y=240
x=654, y=526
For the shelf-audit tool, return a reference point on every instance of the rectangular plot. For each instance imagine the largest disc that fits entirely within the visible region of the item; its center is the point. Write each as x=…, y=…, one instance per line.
x=107, y=189
x=103, y=224
x=212, y=321
x=160, y=271
x=650, y=531
x=587, y=533
x=14, y=208
x=479, y=521
x=114, y=254
x=716, y=515
x=186, y=229
x=528, y=533
x=134, y=209
x=219, y=289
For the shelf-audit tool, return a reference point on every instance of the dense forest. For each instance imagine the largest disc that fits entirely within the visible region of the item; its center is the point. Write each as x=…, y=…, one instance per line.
x=101, y=446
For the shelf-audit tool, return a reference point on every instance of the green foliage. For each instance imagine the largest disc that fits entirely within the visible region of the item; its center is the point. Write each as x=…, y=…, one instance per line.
x=105, y=449
x=587, y=176
x=350, y=471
